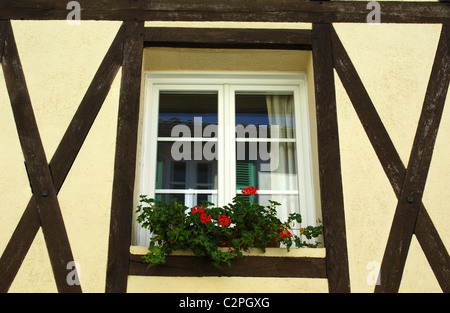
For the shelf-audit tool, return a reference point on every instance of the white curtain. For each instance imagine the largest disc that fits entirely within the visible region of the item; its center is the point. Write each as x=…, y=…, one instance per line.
x=284, y=177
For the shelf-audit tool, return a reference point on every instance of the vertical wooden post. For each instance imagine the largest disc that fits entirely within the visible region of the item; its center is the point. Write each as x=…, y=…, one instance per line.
x=125, y=160
x=329, y=161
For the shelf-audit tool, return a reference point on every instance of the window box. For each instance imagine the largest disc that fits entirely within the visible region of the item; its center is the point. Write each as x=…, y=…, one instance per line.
x=240, y=226
x=275, y=262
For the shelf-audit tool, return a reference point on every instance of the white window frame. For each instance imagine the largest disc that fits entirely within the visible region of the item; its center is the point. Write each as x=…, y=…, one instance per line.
x=226, y=85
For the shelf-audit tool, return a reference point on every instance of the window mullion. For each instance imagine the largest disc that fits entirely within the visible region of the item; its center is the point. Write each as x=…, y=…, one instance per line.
x=232, y=144
x=220, y=149
x=229, y=177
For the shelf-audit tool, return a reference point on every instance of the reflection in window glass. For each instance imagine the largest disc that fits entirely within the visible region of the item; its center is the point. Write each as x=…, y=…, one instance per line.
x=176, y=108
x=183, y=174
x=188, y=199
x=280, y=160
x=266, y=110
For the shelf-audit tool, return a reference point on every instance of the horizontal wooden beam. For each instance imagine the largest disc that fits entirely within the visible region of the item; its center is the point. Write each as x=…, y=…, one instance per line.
x=229, y=10
x=248, y=266
x=294, y=39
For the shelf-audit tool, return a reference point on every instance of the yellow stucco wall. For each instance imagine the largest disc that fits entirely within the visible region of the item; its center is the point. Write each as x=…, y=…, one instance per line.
x=59, y=61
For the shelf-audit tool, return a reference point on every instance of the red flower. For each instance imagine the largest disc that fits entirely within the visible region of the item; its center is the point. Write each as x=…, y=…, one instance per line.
x=286, y=233
x=198, y=209
x=224, y=220
x=205, y=218
x=249, y=190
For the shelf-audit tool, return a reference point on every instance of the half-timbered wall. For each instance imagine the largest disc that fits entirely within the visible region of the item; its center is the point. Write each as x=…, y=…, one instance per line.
x=382, y=153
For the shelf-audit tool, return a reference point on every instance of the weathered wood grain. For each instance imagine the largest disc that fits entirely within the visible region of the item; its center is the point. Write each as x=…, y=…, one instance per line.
x=125, y=159
x=292, y=39
x=45, y=195
x=22, y=238
x=229, y=10
x=410, y=197
x=331, y=193
x=248, y=266
x=425, y=231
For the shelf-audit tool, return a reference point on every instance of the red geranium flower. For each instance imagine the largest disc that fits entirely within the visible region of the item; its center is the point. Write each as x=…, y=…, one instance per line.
x=205, y=218
x=286, y=233
x=198, y=209
x=224, y=220
x=249, y=190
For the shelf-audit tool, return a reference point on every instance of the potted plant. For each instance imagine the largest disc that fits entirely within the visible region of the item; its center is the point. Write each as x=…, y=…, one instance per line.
x=219, y=233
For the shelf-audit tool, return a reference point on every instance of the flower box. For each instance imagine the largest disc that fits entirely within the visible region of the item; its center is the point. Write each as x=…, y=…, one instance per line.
x=205, y=229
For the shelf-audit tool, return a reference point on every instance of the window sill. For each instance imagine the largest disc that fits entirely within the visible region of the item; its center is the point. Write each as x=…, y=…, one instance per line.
x=275, y=262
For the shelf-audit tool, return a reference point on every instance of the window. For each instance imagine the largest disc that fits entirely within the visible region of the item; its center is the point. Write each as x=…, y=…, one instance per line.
x=206, y=136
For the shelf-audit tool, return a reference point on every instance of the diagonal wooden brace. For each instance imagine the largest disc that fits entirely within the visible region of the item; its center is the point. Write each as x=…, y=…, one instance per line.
x=45, y=195
x=410, y=198
x=62, y=160
x=3, y=27
x=425, y=231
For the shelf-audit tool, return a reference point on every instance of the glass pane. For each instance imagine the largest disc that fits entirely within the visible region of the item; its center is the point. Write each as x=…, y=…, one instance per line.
x=190, y=109
x=264, y=116
x=175, y=172
x=188, y=200
x=266, y=166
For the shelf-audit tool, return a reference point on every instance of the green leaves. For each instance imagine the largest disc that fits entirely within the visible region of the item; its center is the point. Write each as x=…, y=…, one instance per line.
x=295, y=217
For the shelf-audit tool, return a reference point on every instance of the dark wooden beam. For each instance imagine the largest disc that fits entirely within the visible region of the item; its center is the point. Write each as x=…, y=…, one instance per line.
x=434, y=248
x=425, y=231
x=410, y=198
x=249, y=266
x=64, y=156
x=331, y=192
x=45, y=195
x=3, y=25
x=19, y=245
x=446, y=28
x=229, y=10
x=292, y=39
x=122, y=206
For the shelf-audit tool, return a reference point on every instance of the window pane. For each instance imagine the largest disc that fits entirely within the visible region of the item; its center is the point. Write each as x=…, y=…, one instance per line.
x=183, y=108
x=188, y=200
x=175, y=172
x=274, y=113
x=266, y=166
